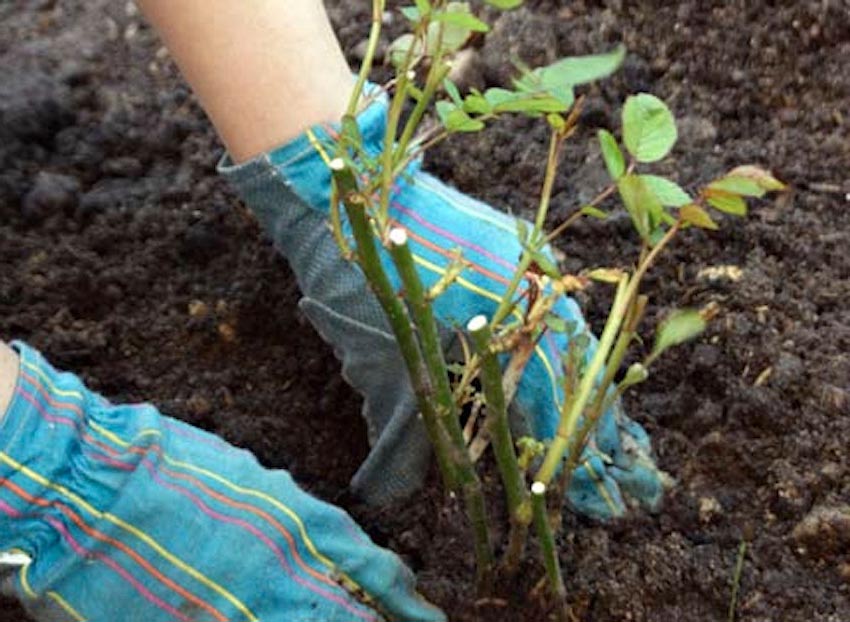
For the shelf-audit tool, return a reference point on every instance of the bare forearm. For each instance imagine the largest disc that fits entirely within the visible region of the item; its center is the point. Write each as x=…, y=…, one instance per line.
x=264, y=70
x=8, y=376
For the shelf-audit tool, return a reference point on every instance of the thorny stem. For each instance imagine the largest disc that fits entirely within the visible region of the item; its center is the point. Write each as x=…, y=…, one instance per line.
x=426, y=325
x=369, y=261
x=500, y=434
x=547, y=547
x=510, y=382
x=429, y=338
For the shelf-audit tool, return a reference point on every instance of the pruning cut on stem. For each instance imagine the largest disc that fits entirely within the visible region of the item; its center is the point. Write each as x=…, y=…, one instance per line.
x=447, y=413
x=657, y=207
x=548, y=548
x=513, y=481
x=369, y=261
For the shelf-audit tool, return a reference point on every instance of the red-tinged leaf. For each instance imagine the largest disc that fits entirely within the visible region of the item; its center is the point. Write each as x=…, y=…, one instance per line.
x=694, y=215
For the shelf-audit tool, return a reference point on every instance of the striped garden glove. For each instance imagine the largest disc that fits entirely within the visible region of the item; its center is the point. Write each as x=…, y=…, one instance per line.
x=289, y=191
x=128, y=515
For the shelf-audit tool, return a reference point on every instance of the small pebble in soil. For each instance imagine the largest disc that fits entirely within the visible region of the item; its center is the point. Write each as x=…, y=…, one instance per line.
x=198, y=309
x=709, y=508
x=824, y=532
x=227, y=332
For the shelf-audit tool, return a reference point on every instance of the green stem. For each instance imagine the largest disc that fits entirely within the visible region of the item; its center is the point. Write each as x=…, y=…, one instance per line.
x=436, y=73
x=370, y=263
x=627, y=290
x=497, y=414
x=336, y=224
x=736, y=580
x=547, y=545
x=612, y=366
x=423, y=316
x=387, y=152
x=506, y=303
x=575, y=216
x=567, y=425
x=429, y=336
x=503, y=444
x=371, y=47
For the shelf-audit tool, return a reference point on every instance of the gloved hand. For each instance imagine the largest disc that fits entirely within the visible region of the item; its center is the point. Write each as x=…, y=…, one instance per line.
x=289, y=191
x=129, y=515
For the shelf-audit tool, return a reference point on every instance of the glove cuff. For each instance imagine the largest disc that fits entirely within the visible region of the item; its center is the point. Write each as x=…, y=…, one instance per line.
x=302, y=162
x=46, y=464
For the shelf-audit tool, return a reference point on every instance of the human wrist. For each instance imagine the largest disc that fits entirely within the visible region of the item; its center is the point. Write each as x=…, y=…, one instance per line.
x=8, y=376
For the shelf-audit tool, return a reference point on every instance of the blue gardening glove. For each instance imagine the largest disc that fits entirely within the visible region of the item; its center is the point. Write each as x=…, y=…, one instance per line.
x=129, y=515
x=289, y=191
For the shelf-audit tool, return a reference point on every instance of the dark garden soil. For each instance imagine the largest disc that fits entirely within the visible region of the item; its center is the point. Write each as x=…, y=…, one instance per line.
x=124, y=258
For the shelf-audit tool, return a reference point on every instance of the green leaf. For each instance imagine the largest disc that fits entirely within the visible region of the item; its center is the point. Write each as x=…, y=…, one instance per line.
x=503, y=100
x=504, y=5
x=454, y=34
x=411, y=12
x=636, y=374
x=762, y=177
x=444, y=108
x=455, y=119
x=399, y=48
x=614, y=161
x=452, y=92
x=694, y=215
x=641, y=204
x=735, y=184
x=656, y=235
x=726, y=202
x=669, y=193
x=556, y=121
x=496, y=96
x=555, y=323
x=546, y=265
x=649, y=129
x=462, y=19
x=536, y=104
x=680, y=326
x=667, y=218
x=594, y=212
x=573, y=71
x=424, y=6
x=476, y=104
x=351, y=131
x=606, y=275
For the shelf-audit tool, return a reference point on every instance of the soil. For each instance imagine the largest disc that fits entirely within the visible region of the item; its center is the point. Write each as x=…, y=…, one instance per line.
x=125, y=259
